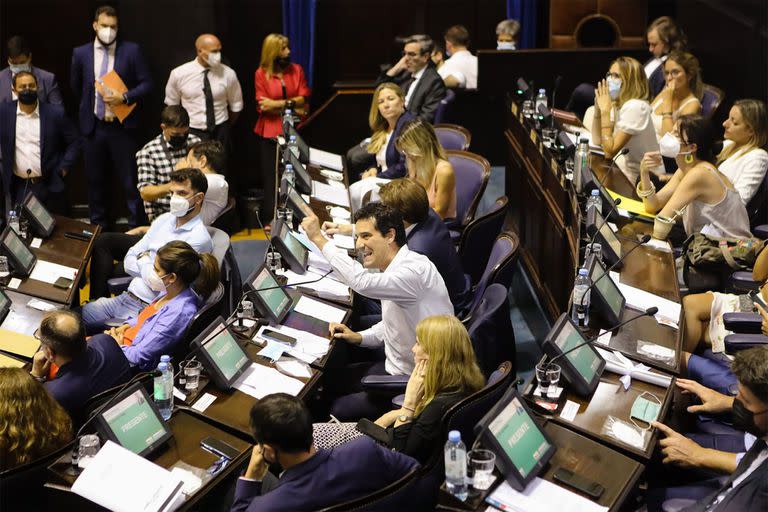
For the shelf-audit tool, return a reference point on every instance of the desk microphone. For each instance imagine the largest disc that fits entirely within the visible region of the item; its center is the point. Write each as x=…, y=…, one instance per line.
x=648, y=312
x=642, y=241
x=623, y=151
x=24, y=196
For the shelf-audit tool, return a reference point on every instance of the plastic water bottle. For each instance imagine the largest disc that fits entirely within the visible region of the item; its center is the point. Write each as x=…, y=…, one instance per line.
x=581, y=293
x=289, y=175
x=541, y=99
x=13, y=221
x=581, y=163
x=456, y=465
x=167, y=359
x=594, y=201
x=164, y=390
x=287, y=118
x=293, y=146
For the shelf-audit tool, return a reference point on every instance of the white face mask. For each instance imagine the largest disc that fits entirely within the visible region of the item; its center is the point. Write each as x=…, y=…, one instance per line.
x=179, y=206
x=214, y=59
x=614, y=87
x=106, y=35
x=505, y=45
x=18, y=68
x=155, y=282
x=669, y=146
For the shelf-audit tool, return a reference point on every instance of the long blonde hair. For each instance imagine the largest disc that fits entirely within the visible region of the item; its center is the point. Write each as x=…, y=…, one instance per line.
x=32, y=423
x=754, y=114
x=634, y=83
x=270, y=50
x=376, y=121
x=452, y=365
x=418, y=140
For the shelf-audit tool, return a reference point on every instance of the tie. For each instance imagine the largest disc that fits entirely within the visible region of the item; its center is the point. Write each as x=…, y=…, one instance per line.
x=210, y=117
x=407, y=89
x=103, y=71
x=747, y=461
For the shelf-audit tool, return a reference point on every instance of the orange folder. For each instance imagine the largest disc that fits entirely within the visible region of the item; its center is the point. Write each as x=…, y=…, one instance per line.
x=112, y=82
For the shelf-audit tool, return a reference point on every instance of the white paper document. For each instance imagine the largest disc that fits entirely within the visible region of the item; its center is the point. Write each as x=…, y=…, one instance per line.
x=669, y=311
x=48, y=272
x=343, y=241
x=308, y=346
x=541, y=495
x=330, y=194
x=260, y=381
x=325, y=159
x=326, y=287
x=151, y=489
x=320, y=310
x=619, y=364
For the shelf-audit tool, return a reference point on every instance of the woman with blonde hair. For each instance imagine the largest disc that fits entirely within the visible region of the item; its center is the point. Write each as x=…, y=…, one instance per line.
x=681, y=94
x=743, y=158
x=622, y=116
x=280, y=85
x=32, y=423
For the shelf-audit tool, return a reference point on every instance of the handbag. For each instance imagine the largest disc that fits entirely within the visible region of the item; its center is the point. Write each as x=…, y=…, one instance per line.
x=706, y=252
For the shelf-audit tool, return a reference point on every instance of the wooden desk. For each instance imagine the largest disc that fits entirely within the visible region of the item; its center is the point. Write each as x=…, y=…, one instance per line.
x=65, y=251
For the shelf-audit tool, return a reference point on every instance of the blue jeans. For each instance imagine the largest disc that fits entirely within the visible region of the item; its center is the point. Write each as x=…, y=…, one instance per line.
x=96, y=313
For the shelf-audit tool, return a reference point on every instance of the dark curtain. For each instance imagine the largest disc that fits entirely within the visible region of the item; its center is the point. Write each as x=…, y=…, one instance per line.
x=299, y=26
x=524, y=11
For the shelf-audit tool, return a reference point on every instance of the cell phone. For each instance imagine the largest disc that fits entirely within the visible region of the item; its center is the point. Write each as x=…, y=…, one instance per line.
x=589, y=487
x=220, y=448
x=63, y=282
x=278, y=336
x=78, y=235
x=757, y=298
x=374, y=431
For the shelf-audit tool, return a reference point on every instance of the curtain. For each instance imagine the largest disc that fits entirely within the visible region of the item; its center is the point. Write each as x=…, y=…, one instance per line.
x=299, y=26
x=524, y=11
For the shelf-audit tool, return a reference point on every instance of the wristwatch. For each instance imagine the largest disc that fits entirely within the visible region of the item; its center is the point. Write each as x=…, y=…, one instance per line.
x=403, y=418
x=290, y=103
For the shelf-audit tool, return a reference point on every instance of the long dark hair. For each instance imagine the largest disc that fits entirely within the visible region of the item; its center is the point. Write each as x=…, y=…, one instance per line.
x=200, y=270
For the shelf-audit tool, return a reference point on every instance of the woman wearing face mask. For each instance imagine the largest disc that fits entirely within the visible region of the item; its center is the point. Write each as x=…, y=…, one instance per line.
x=161, y=325
x=697, y=192
x=506, y=34
x=446, y=372
x=681, y=94
x=622, y=116
x=744, y=159
x=280, y=85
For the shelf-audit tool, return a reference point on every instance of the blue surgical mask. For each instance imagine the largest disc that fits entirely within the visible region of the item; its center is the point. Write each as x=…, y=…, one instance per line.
x=505, y=45
x=614, y=87
x=18, y=68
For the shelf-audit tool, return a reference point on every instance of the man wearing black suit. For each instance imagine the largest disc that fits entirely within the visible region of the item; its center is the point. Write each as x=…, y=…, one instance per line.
x=416, y=75
x=39, y=144
x=20, y=59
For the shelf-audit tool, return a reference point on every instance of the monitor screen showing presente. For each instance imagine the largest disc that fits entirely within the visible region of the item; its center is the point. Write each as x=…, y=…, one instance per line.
x=274, y=298
x=20, y=251
x=134, y=423
x=584, y=359
x=608, y=289
x=40, y=214
x=519, y=436
x=608, y=235
x=226, y=353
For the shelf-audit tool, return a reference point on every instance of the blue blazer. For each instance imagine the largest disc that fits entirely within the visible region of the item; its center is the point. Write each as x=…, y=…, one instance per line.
x=129, y=64
x=47, y=87
x=432, y=239
x=59, y=143
x=396, y=161
x=656, y=81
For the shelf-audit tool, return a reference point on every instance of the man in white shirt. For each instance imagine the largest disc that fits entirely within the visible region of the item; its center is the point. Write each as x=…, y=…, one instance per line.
x=407, y=283
x=460, y=70
x=208, y=89
x=210, y=157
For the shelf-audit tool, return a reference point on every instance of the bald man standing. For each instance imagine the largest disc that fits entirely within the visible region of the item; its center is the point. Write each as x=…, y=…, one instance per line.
x=208, y=89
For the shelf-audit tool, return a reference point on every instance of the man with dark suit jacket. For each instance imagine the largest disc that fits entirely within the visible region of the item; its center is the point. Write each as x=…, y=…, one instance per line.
x=311, y=479
x=107, y=140
x=747, y=486
x=85, y=368
x=20, y=59
x=416, y=75
x=39, y=146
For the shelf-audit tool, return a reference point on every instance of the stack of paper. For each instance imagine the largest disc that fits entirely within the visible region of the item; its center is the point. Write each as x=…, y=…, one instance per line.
x=325, y=159
x=260, y=381
x=320, y=310
x=330, y=194
x=308, y=348
x=541, y=495
x=325, y=287
x=669, y=311
x=48, y=272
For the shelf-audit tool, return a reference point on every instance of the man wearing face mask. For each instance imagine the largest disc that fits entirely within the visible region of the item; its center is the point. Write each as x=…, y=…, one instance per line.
x=208, y=89
x=746, y=487
x=159, y=157
x=110, y=145
x=183, y=222
x=311, y=479
x=39, y=144
x=20, y=59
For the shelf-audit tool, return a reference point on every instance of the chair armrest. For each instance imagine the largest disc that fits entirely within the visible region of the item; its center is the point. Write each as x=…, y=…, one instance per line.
x=741, y=280
x=118, y=285
x=761, y=231
x=388, y=384
x=736, y=342
x=743, y=323
x=398, y=401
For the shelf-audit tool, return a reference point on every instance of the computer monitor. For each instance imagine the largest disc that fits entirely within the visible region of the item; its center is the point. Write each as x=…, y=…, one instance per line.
x=610, y=244
x=303, y=179
x=19, y=255
x=583, y=366
x=291, y=249
x=134, y=422
x=221, y=355
x=5, y=306
x=606, y=295
x=40, y=219
x=269, y=297
x=300, y=207
x=303, y=148
x=521, y=446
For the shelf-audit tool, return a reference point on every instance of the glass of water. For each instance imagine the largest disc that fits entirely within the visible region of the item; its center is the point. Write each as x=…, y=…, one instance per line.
x=192, y=371
x=4, y=268
x=528, y=109
x=89, y=447
x=542, y=377
x=274, y=263
x=553, y=377
x=549, y=136
x=481, y=463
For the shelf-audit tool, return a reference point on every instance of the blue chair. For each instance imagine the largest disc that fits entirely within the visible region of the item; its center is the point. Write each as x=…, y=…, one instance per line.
x=441, y=113
x=500, y=267
x=490, y=329
x=233, y=282
x=477, y=239
x=472, y=173
x=453, y=136
x=711, y=98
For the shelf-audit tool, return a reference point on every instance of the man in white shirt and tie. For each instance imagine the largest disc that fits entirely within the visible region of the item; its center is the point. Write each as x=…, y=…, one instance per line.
x=407, y=283
x=208, y=89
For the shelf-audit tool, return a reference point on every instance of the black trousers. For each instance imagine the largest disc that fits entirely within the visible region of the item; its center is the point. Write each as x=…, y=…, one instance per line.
x=107, y=248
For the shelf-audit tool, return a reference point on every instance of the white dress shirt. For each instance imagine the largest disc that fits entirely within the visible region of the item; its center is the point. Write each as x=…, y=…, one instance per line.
x=416, y=78
x=746, y=169
x=27, y=143
x=98, y=57
x=185, y=87
x=410, y=289
x=462, y=66
x=216, y=198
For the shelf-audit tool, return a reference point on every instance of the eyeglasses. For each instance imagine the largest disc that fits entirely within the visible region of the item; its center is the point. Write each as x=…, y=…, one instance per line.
x=36, y=335
x=411, y=54
x=612, y=75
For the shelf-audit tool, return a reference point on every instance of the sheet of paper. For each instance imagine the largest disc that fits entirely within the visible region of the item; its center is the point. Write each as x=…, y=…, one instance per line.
x=259, y=381
x=330, y=194
x=570, y=410
x=304, y=240
x=308, y=346
x=103, y=481
x=320, y=310
x=273, y=350
x=202, y=403
x=36, y=243
x=191, y=481
x=326, y=287
x=541, y=495
x=669, y=311
x=343, y=241
x=632, y=205
x=295, y=368
x=22, y=319
x=18, y=344
x=14, y=283
x=325, y=159
x=48, y=272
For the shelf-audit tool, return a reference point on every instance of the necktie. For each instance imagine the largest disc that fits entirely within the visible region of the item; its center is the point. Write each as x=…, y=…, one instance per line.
x=103, y=71
x=210, y=117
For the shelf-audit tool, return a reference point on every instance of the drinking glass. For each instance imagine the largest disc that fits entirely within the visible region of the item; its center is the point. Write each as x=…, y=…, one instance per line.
x=89, y=447
x=553, y=377
x=192, y=374
x=481, y=463
x=274, y=262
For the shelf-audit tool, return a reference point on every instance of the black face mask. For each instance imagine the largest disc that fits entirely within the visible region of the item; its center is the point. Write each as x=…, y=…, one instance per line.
x=177, y=141
x=282, y=62
x=744, y=419
x=27, y=97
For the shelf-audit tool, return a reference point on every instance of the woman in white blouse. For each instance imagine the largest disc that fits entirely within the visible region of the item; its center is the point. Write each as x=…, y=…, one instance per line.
x=744, y=159
x=622, y=116
x=681, y=93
